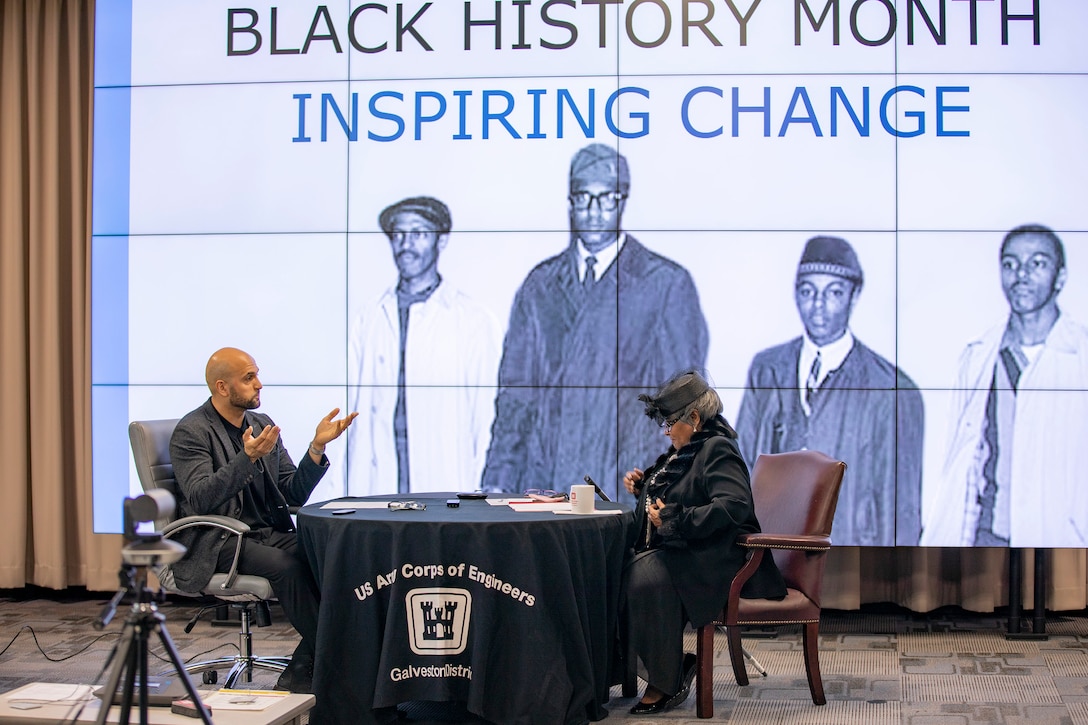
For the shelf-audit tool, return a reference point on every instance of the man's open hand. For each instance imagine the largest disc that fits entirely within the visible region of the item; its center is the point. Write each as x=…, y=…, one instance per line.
x=263, y=444
x=329, y=429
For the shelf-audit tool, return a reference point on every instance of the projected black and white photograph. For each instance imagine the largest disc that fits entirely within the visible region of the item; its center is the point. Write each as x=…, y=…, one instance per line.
x=588, y=323
x=423, y=361
x=487, y=228
x=1007, y=383
x=826, y=390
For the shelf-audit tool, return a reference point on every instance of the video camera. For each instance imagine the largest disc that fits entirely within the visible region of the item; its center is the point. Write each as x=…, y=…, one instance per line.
x=149, y=549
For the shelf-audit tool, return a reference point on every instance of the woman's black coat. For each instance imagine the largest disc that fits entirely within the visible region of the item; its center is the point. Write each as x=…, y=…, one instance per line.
x=706, y=509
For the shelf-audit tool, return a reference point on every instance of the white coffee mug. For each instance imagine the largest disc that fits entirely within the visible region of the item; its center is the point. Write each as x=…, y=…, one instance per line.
x=581, y=499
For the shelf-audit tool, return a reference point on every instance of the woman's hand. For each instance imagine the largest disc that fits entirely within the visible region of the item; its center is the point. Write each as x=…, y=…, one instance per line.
x=632, y=479
x=654, y=511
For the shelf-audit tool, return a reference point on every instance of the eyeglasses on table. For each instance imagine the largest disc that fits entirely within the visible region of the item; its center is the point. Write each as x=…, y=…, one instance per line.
x=407, y=506
x=547, y=493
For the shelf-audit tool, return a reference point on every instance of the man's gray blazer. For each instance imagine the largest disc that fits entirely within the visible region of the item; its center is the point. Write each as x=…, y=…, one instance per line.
x=211, y=477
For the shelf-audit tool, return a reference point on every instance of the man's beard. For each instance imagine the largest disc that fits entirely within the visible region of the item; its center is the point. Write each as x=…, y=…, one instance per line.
x=248, y=404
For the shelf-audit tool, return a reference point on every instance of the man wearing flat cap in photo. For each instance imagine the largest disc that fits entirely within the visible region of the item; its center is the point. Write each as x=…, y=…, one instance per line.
x=422, y=368
x=826, y=391
x=602, y=318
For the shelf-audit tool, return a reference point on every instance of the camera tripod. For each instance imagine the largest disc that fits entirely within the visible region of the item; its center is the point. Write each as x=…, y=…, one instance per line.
x=130, y=655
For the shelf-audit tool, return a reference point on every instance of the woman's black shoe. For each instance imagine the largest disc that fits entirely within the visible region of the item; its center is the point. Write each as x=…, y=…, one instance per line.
x=668, y=703
x=652, y=708
x=298, y=677
x=690, y=665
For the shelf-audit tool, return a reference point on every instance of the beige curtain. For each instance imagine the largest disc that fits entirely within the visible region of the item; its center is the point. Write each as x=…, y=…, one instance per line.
x=924, y=579
x=46, y=80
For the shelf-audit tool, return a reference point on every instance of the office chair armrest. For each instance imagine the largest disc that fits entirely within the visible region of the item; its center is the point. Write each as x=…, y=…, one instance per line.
x=234, y=526
x=776, y=541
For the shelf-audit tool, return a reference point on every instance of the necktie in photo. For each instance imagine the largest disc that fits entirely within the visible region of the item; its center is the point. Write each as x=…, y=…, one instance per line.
x=1015, y=362
x=589, y=278
x=813, y=381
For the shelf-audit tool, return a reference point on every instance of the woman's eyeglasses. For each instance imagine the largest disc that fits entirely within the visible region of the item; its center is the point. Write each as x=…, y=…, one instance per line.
x=407, y=506
x=668, y=423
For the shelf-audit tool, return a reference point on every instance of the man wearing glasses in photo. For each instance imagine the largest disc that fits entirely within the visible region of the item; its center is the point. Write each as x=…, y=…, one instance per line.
x=603, y=315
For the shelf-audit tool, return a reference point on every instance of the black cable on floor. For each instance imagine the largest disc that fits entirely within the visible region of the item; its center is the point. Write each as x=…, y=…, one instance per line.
x=34, y=636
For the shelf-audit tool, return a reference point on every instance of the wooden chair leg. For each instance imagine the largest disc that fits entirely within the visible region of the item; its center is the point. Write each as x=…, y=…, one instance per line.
x=811, y=638
x=704, y=673
x=736, y=655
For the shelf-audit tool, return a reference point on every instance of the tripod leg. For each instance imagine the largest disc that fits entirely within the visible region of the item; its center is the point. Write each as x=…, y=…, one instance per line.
x=179, y=667
x=121, y=664
x=144, y=633
x=130, y=683
x=755, y=663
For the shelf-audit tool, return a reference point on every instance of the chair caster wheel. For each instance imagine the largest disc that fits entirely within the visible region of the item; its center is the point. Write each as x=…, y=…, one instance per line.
x=210, y=677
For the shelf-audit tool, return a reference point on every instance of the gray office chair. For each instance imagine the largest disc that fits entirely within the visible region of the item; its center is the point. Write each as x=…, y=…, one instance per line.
x=150, y=440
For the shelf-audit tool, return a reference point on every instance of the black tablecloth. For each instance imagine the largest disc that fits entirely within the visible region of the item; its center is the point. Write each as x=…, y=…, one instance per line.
x=512, y=613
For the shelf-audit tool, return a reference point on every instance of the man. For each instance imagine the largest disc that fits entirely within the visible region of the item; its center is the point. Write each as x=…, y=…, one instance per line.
x=827, y=391
x=1013, y=474
x=422, y=368
x=590, y=327
x=230, y=461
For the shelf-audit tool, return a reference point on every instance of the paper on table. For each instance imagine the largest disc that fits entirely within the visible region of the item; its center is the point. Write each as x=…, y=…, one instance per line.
x=591, y=513
x=351, y=504
x=45, y=692
x=506, y=501
x=535, y=507
x=250, y=700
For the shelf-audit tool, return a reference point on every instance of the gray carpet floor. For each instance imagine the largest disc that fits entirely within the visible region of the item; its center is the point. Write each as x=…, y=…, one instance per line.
x=881, y=666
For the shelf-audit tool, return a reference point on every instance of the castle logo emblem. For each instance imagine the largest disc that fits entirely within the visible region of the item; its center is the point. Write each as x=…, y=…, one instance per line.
x=438, y=619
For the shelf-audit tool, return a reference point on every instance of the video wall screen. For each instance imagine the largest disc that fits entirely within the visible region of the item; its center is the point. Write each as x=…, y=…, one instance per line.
x=892, y=188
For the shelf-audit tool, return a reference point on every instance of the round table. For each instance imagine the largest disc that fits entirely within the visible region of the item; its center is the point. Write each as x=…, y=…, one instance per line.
x=512, y=613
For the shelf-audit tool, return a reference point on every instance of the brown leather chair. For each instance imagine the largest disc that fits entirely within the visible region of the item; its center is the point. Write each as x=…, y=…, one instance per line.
x=795, y=496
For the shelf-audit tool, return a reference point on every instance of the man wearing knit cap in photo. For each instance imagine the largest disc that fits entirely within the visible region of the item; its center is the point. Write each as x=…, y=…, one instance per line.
x=827, y=391
x=604, y=316
x=422, y=363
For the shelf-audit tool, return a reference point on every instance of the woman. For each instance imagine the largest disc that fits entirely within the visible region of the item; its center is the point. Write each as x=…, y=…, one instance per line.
x=692, y=503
